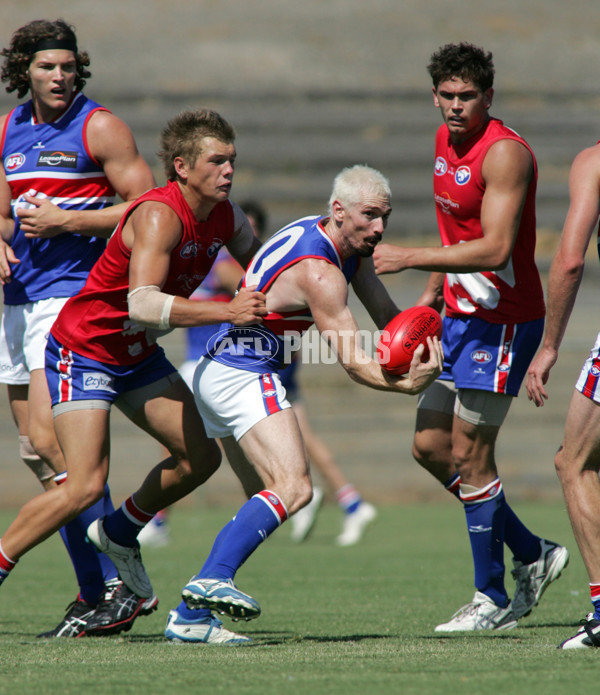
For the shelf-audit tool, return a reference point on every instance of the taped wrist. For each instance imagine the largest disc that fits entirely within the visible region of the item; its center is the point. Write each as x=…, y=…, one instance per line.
x=150, y=307
x=42, y=470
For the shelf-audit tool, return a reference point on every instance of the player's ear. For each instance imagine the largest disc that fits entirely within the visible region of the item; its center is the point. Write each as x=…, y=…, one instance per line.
x=338, y=211
x=181, y=168
x=488, y=96
x=436, y=101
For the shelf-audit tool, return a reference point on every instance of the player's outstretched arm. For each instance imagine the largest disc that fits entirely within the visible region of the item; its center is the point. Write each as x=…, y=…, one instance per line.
x=326, y=292
x=152, y=232
x=507, y=171
x=567, y=266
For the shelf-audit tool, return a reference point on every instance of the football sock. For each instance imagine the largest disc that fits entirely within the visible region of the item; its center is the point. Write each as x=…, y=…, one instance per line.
x=595, y=594
x=348, y=498
x=92, y=569
x=6, y=564
x=254, y=523
x=524, y=545
x=124, y=524
x=485, y=511
x=453, y=485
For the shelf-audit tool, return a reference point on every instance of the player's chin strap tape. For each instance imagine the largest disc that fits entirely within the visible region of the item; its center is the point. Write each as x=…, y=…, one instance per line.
x=150, y=307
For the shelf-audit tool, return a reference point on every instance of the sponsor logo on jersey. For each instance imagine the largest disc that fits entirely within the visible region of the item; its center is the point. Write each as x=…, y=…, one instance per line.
x=595, y=370
x=462, y=176
x=481, y=356
x=504, y=368
x=97, y=381
x=237, y=346
x=57, y=159
x=446, y=202
x=269, y=394
x=440, y=167
x=14, y=161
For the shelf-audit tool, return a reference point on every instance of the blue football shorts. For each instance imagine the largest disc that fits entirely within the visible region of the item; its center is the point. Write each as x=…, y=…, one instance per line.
x=487, y=356
x=75, y=381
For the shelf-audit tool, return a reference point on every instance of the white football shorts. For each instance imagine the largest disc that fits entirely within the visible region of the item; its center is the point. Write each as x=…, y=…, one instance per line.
x=231, y=401
x=23, y=336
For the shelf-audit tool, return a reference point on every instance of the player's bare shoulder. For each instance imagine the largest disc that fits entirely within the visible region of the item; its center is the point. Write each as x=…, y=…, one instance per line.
x=507, y=159
x=588, y=161
x=152, y=222
x=107, y=134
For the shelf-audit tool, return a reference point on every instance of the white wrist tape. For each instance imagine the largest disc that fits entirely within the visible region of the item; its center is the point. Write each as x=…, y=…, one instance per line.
x=150, y=307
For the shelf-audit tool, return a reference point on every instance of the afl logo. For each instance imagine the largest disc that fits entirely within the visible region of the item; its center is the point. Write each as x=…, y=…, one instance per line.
x=14, y=161
x=190, y=250
x=269, y=394
x=440, y=167
x=481, y=356
x=462, y=176
x=595, y=370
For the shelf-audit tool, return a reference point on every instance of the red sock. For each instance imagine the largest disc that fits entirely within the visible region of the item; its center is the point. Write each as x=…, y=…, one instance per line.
x=6, y=564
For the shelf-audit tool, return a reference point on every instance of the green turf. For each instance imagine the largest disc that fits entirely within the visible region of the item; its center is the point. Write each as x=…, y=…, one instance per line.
x=335, y=620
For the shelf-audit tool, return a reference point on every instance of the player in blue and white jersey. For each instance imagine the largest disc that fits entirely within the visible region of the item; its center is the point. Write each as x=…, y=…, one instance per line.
x=304, y=271
x=64, y=157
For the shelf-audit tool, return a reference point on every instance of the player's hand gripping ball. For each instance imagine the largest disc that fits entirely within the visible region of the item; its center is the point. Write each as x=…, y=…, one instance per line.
x=403, y=335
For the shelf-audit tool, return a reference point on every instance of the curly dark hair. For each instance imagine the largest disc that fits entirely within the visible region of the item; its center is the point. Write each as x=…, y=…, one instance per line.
x=464, y=60
x=182, y=136
x=19, y=54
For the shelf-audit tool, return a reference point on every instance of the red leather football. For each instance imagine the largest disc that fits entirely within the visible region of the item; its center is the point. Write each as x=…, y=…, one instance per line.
x=403, y=335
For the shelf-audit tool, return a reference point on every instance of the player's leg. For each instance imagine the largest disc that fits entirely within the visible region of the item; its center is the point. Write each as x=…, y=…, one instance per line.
x=485, y=511
x=578, y=464
x=244, y=471
x=432, y=443
x=251, y=407
x=83, y=436
x=165, y=409
x=171, y=417
x=93, y=569
x=273, y=446
x=358, y=514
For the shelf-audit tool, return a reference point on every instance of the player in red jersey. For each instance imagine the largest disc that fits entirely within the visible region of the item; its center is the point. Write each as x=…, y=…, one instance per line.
x=578, y=458
x=485, y=178
x=63, y=159
x=102, y=348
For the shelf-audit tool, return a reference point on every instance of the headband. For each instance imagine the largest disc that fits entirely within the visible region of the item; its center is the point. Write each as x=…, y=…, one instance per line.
x=49, y=44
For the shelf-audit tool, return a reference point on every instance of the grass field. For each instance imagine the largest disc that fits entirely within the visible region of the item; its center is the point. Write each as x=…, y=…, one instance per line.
x=351, y=620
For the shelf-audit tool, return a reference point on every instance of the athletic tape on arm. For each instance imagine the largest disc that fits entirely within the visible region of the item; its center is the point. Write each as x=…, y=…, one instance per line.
x=150, y=307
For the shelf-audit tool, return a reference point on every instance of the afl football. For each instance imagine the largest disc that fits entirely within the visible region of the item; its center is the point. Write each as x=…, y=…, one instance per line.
x=403, y=335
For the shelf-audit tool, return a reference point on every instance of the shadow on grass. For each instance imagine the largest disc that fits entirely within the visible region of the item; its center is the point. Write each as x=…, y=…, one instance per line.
x=270, y=638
